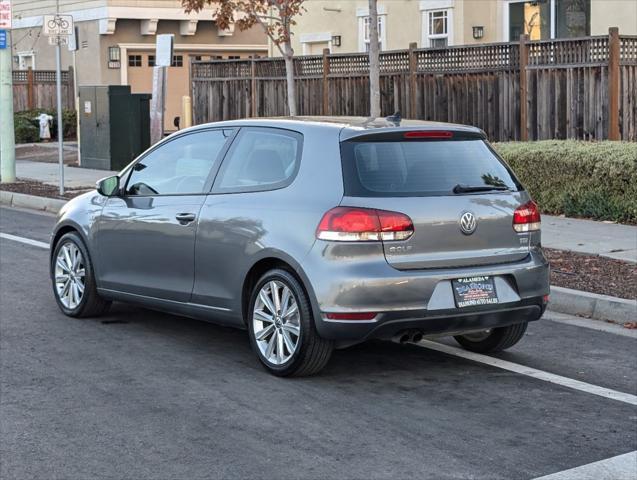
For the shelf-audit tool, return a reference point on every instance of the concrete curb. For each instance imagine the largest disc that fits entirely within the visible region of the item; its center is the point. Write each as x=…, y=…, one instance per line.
x=33, y=202
x=592, y=305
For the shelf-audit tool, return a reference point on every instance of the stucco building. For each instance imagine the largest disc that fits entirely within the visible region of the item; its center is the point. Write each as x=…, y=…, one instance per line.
x=343, y=25
x=117, y=41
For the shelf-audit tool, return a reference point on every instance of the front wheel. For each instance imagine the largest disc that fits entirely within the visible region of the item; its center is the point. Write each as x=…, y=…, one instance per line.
x=494, y=340
x=73, y=279
x=281, y=327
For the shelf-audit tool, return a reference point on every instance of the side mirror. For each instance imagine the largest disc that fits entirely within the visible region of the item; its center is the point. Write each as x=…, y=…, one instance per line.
x=177, y=122
x=108, y=186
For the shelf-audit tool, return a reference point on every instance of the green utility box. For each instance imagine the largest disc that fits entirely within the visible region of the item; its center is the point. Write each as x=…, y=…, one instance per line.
x=114, y=126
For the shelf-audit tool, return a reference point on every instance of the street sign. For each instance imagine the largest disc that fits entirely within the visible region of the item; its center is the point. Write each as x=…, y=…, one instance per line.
x=3, y=39
x=164, y=50
x=57, y=40
x=58, y=25
x=5, y=14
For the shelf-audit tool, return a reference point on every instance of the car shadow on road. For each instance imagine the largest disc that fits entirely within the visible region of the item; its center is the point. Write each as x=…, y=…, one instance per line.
x=372, y=358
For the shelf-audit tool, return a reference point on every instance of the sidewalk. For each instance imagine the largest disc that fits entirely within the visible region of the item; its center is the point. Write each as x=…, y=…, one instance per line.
x=588, y=236
x=74, y=177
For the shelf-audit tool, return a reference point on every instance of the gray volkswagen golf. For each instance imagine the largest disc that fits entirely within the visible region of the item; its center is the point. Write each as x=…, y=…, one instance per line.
x=312, y=234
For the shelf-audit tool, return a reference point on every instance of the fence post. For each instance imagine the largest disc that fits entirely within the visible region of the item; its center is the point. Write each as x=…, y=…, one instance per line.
x=253, y=89
x=326, y=85
x=524, y=61
x=413, y=68
x=30, y=95
x=613, y=84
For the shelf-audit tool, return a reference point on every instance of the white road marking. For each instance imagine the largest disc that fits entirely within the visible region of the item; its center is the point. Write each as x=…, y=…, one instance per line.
x=531, y=372
x=621, y=467
x=28, y=241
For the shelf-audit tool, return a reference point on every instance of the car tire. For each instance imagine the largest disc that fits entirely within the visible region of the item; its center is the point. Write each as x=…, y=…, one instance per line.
x=272, y=340
x=89, y=303
x=496, y=340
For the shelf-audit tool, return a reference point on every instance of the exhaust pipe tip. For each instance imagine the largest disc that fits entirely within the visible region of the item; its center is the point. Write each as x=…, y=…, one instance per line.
x=416, y=337
x=402, y=337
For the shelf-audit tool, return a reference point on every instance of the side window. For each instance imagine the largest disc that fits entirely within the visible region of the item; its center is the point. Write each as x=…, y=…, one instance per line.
x=260, y=159
x=181, y=166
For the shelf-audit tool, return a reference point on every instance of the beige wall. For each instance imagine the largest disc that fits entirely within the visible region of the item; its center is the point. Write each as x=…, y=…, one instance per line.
x=404, y=21
x=614, y=13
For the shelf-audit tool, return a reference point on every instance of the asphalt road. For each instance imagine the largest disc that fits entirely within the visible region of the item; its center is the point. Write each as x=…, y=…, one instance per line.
x=139, y=394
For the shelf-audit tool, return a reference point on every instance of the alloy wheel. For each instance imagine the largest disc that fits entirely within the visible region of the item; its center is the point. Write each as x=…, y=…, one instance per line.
x=276, y=322
x=69, y=275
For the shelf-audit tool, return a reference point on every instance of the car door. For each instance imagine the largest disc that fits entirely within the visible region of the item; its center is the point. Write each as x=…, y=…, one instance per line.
x=146, y=235
x=245, y=212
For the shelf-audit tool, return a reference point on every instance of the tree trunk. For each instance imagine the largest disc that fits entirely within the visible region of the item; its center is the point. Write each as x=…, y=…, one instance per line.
x=374, y=61
x=288, y=55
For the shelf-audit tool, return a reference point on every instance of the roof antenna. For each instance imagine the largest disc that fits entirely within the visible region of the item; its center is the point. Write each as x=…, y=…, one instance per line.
x=395, y=118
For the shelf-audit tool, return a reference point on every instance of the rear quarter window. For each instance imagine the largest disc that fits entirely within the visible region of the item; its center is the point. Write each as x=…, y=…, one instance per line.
x=421, y=168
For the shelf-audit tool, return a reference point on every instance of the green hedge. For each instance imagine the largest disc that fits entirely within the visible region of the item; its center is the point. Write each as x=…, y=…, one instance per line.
x=27, y=128
x=576, y=178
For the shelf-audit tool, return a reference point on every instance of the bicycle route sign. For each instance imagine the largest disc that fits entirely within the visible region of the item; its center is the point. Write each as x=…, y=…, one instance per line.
x=58, y=25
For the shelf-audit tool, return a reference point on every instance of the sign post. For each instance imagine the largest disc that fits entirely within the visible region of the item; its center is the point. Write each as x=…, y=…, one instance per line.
x=74, y=45
x=7, y=139
x=163, y=59
x=58, y=28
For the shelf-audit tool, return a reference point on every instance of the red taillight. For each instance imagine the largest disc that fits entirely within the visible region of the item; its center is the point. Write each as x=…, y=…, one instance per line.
x=354, y=316
x=428, y=134
x=353, y=224
x=526, y=218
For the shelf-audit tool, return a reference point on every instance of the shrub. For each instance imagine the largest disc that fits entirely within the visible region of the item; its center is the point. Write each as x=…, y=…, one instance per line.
x=25, y=131
x=28, y=117
x=576, y=178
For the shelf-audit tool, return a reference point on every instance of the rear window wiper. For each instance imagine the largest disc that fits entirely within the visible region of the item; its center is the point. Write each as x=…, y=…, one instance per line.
x=479, y=188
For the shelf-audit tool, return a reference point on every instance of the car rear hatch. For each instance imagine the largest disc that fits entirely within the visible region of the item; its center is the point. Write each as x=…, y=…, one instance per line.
x=459, y=195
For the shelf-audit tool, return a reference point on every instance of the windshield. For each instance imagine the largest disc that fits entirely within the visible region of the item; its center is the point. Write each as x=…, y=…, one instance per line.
x=422, y=168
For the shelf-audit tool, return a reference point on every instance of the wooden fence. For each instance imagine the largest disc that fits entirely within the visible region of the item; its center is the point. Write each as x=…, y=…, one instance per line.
x=37, y=89
x=584, y=88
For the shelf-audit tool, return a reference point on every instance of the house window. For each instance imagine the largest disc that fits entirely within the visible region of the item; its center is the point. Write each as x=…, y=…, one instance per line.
x=134, y=60
x=178, y=61
x=366, y=31
x=530, y=18
x=151, y=60
x=26, y=60
x=438, y=32
x=233, y=57
x=198, y=58
x=573, y=18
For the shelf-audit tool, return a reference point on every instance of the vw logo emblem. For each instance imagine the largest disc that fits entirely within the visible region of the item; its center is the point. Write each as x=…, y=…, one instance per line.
x=468, y=223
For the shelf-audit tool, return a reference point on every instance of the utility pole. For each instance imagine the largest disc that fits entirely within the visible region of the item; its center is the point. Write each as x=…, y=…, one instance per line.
x=58, y=81
x=7, y=139
x=374, y=61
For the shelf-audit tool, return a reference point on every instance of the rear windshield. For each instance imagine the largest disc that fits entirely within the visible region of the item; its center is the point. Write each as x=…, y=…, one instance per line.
x=421, y=168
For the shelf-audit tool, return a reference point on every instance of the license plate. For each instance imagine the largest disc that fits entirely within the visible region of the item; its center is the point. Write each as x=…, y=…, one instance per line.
x=474, y=291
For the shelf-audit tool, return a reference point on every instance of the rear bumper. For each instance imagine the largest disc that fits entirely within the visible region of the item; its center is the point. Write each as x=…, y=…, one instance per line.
x=449, y=322
x=421, y=299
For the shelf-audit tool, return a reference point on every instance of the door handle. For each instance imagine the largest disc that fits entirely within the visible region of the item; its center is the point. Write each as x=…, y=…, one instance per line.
x=185, y=218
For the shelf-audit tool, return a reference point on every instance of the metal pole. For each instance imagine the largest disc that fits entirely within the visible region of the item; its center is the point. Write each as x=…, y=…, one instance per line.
x=58, y=79
x=76, y=95
x=7, y=139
